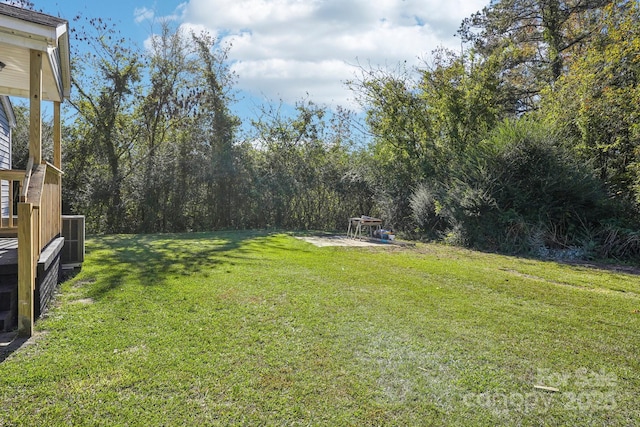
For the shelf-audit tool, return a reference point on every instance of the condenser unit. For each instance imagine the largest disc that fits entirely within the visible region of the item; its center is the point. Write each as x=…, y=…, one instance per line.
x=73, y=233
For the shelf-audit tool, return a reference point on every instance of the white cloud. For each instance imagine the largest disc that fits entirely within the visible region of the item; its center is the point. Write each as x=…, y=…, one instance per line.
x=143, y=14
x=288, y=48
x=291, y=79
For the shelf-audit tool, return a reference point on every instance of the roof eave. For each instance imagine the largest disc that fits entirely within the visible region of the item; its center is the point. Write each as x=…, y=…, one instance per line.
x=49, y=34
x=38, y=32
x=65, y=62
x=60, y=61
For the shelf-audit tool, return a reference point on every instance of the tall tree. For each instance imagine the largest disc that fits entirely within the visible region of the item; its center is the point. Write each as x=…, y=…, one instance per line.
x=596, y=105
x=465, y=98
x=104, y=100
x=169, y=105
x=303, y=172
x=423, y=121
x=532, y=38
x=218, y=127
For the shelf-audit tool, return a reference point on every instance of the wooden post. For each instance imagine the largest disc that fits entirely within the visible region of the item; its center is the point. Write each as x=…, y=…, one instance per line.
x=57, y=155
x=26, y=267
x=35, y=107
x=26, y=270
x=10, y=224
x=57, y=136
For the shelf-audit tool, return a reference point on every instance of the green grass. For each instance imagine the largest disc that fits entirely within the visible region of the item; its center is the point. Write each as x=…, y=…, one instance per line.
x=258, y=329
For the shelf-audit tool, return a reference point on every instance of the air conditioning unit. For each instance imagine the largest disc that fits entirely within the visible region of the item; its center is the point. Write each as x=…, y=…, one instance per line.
x=73, y=233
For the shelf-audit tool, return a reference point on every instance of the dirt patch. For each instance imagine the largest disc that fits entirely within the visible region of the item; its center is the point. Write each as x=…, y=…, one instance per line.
x=83, y=301
x=338, y=240
x=83, y=282
x=626, y=269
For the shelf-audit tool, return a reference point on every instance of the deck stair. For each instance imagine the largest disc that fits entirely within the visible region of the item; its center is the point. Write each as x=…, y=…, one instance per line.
x=8, y=284
x=8, y=297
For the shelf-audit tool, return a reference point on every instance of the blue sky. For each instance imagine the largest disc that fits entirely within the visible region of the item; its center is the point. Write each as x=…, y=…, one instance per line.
x=294, y=49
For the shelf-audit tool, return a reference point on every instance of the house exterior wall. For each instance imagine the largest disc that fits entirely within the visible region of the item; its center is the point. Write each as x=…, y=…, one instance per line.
x=5, y=157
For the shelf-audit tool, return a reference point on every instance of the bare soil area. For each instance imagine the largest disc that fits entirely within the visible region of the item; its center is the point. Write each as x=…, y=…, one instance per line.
x=341, y=240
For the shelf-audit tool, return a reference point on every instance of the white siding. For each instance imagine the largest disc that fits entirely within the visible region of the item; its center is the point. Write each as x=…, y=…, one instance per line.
x=5, y=159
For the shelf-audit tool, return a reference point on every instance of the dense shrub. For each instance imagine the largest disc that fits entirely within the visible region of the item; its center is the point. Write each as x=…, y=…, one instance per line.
x=517, y=191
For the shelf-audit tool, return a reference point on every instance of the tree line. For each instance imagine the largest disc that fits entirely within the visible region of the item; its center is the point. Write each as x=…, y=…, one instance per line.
x=525, y=141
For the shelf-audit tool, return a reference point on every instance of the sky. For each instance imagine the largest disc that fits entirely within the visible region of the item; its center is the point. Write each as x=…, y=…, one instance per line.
x=291, y=50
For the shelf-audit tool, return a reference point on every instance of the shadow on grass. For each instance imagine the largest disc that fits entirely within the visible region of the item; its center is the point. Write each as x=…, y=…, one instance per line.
x=10, y=342
x=152, y=259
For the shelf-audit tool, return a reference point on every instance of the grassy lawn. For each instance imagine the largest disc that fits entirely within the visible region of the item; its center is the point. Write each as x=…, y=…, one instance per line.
x=258, y=329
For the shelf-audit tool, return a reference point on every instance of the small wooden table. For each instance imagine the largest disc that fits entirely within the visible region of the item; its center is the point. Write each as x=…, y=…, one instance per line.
x=356, y=224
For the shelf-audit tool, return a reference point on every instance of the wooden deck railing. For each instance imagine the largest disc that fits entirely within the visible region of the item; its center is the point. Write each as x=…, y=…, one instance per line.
x=39, y=214
x=43, y=193
x=12, y=179
x=50, y=206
